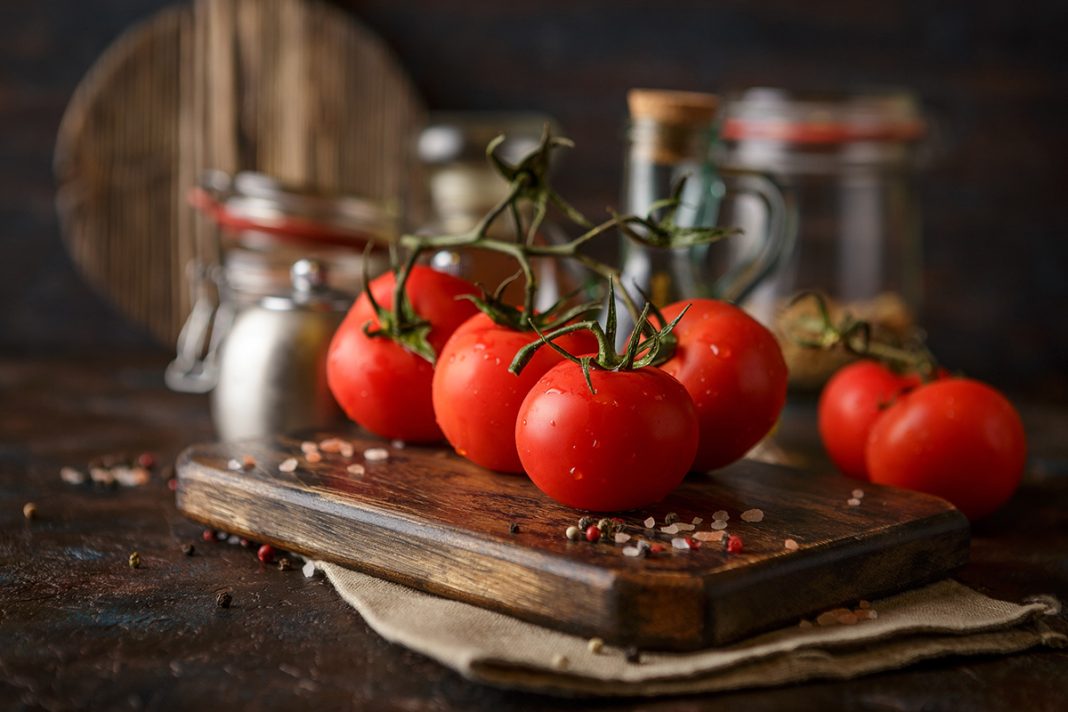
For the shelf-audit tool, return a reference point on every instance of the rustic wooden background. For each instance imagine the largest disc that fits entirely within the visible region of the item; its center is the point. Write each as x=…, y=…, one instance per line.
x=994, y=74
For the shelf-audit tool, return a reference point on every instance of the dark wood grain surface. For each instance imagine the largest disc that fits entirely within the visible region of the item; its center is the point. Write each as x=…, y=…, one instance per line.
x=430, y=519
x=79, y=629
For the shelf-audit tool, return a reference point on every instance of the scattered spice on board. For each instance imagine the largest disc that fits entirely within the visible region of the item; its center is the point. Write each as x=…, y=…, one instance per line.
x=288, y=465
x=593, y=533
x=710, y=536
x=560, y=662
x=513, y=528
x=232, y=465
x=308, y=447
x=595, y=646
x=721, y=516
x=284, y=564
x=753, y=516
x=224, y=599
x=790, y=545
x=207, y=535
x=672, y=529
x=265, y=553
x=671, y=518
x=397, y=444
x=308, y=569
x=376, y=454
x=858, y=494
x=29, y=510
x=135, y=560
x=248, y=462
x=679, y=543
x=853, y=502
x=633, y=655
x=718, y=524
x=356, y=469
x=188, y=549
x=573, y=533
x=330, y=445
x=622, y=538
x=734, y=544
x=697, y=521
x=347, y=450
x=314, y=457
x=146, y=460
x=649, y=523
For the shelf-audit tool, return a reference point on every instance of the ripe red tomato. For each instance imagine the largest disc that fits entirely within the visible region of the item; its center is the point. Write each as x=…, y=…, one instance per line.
x=956, y=438
x=625, y=447
x=733, y=368
x=476, y=399
x=850, y=404
x=382, y=386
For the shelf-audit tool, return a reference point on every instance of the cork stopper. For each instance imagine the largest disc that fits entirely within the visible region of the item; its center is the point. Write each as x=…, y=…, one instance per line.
x=685, y=108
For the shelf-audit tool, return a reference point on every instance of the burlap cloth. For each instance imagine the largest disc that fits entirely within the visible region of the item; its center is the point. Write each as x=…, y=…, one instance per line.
x=945, y=618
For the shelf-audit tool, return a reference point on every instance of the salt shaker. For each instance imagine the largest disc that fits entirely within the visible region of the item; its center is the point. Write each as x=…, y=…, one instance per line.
x=272, y=367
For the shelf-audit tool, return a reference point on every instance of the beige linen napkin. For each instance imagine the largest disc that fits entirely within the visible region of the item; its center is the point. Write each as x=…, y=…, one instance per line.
x=945, y=618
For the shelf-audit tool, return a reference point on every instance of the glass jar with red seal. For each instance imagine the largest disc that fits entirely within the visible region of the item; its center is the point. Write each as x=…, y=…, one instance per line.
x=262, y=227
x=849, y=163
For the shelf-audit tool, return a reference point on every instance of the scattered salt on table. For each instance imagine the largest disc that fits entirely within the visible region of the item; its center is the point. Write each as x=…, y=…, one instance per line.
x=854, y=502
x=670, y=529
x=622, y=538
x=719, y=524
x=721, y=516
x=649, y=523
x=858, y=494
x=376, y=454
x=288, y=465
x=71, y=476
x=790, y=545
x=356, y=469
x=680, y=543
x=753, y=515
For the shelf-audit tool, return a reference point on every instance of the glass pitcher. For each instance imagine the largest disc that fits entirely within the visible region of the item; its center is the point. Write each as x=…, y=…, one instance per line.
x=672, y=136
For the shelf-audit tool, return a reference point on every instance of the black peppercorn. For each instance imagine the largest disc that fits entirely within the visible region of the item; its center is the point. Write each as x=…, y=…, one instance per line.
x=223, y=599
x=513, y=528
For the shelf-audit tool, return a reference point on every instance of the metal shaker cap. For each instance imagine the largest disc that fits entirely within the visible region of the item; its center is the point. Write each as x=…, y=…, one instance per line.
x=310, y=291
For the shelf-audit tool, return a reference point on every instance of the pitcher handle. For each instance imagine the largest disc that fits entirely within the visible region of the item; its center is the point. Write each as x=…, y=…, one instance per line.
x=195, y=366
x=778, y=240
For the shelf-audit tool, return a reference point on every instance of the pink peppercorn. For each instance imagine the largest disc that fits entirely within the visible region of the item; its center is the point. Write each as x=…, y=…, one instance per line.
x=146, y=460
x=207, y=535
x=266, y=553
x=693, y=543
x=593, y=533
x=734, y=544
x=656, y=549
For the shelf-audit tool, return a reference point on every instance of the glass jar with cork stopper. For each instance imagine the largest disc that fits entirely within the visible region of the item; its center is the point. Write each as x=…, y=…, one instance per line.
x=671, y=137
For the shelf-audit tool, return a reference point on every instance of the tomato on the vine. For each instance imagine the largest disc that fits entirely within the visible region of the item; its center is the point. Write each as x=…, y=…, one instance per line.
x=626, y=446
x=853, y=399
x=380, y=384
x=955, y=438
x=476, y=398
x=734, y=370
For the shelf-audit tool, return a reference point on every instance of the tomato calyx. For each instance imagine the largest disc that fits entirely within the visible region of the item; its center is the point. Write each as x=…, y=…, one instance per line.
x=516, y=318
x=644, y=345
x=859, y=338
x=401, y=324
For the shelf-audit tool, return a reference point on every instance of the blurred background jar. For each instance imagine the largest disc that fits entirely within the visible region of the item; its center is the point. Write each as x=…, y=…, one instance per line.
x=849, y=162
x=264, y=227
x=464, y=187
x=672, y=136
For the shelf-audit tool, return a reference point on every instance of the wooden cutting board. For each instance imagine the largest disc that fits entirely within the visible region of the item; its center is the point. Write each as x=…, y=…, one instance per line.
x=429, y=519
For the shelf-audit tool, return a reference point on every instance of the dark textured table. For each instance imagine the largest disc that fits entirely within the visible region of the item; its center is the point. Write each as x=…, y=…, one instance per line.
x=80, y=629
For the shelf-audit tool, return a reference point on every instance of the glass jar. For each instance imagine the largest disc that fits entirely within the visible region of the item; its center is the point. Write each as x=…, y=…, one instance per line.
x=849, y=162
x=671, y=137
x=263, y=228
x=464, y=187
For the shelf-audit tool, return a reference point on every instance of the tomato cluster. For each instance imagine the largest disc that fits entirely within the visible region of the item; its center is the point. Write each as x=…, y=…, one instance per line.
x=621, y=439
x=955, y=438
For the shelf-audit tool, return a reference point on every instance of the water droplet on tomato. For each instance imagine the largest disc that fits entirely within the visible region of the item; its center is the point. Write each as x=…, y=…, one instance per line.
x=595, y=444
x=575, y=472
x=552, y=423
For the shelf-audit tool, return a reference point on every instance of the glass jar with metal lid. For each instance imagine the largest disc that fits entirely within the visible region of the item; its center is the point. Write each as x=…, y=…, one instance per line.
x=849, y=162
x=264, y=226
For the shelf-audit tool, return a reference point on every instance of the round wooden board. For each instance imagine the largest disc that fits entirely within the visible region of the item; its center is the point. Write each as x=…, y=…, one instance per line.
x=293, y=88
